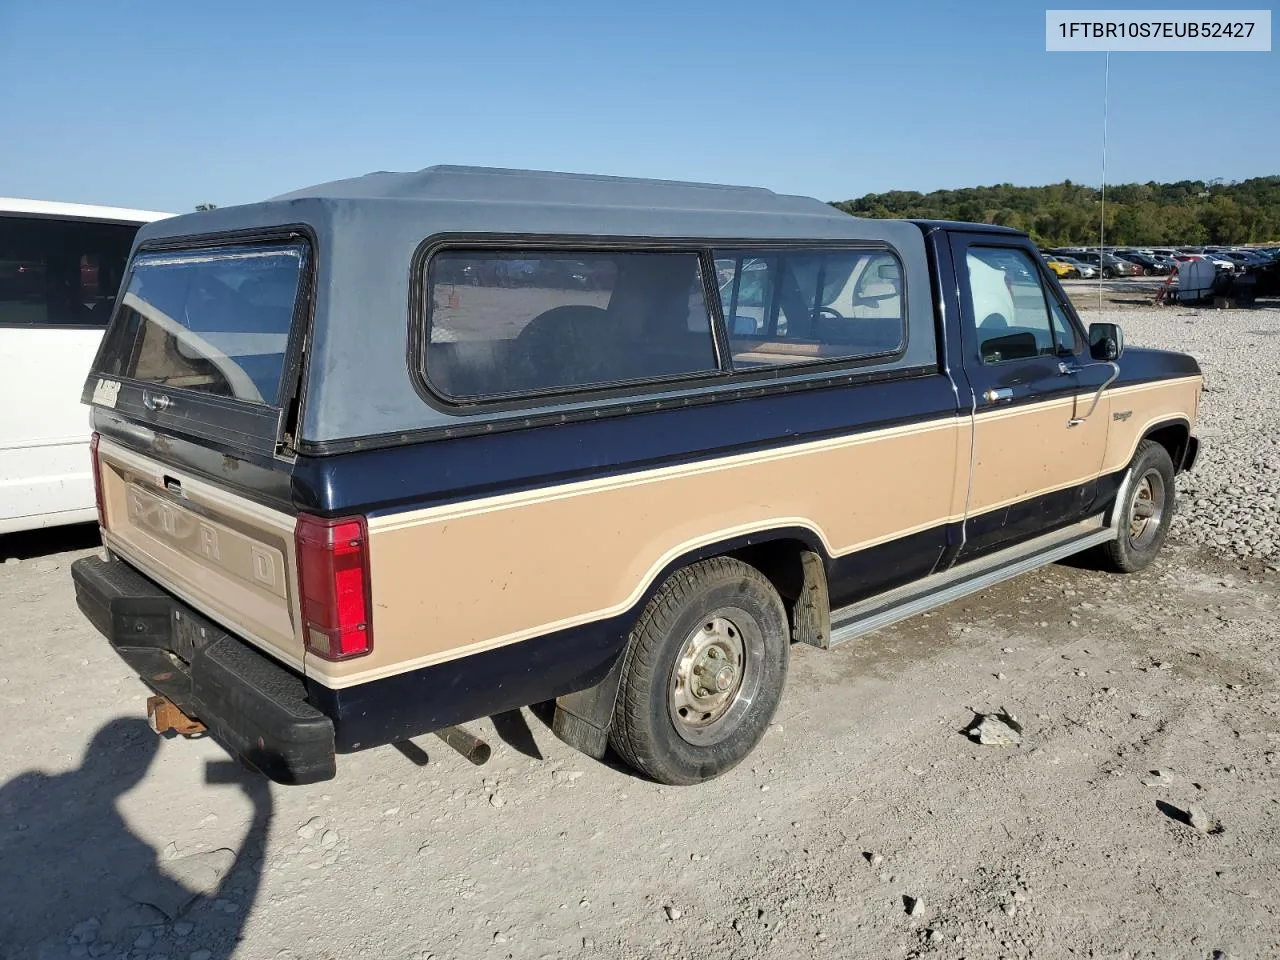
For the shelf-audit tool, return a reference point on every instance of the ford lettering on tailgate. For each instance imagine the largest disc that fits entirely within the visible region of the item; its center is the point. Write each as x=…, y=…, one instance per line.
x=212, y=543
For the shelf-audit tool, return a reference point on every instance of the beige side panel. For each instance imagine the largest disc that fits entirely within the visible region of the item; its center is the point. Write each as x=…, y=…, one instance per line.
x=456, y=580
x=1140, y=408
x=1026, y=451
x=228, y=557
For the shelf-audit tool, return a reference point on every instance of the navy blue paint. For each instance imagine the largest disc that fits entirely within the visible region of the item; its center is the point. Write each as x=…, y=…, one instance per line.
x=443, y=471
x=865, y=573
x=1002, y=528
x=1144, y=365
x=960, y=225
x=262, y=479
x=479, y=685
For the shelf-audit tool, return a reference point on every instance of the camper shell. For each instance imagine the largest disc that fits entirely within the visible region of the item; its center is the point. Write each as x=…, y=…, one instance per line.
x=389, y=454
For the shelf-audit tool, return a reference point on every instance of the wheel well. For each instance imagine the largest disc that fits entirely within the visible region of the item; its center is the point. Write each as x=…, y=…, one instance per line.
x=798, y=572
x=780, y=561
x=1174, y=438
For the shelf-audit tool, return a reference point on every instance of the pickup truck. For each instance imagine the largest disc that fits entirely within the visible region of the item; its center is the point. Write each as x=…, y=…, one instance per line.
x=371, y=462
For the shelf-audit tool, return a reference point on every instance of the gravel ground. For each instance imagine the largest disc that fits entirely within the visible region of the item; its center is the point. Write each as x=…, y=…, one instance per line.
x=1231, y=501
x=1136, y=817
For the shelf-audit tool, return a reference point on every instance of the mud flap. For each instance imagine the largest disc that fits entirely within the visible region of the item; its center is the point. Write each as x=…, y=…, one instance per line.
x=812, y=619
x=583, y=719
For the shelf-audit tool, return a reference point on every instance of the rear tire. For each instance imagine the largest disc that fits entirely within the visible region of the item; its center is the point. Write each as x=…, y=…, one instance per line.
x=703, y=673
x=1146, y=513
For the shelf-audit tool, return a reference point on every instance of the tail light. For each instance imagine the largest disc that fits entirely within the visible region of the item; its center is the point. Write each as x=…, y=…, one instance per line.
x=333, y=578
x=97, y=480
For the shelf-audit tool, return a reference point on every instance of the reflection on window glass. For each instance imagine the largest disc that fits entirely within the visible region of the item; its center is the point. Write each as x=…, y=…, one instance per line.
x=804, y=306
x=1008, y=304
x=60, y=272
x=215, y=321
x=511, y=322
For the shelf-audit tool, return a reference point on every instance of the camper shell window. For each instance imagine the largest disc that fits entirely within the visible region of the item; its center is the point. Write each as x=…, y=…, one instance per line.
x=511, y=323
x=215, y=321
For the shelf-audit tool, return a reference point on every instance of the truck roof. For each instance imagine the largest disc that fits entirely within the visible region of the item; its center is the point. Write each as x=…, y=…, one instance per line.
x=928, y=225
x=499, y=186
x=455, y=199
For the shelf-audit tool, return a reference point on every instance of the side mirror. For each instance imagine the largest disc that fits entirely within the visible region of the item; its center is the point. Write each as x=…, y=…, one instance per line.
x=1106, y=342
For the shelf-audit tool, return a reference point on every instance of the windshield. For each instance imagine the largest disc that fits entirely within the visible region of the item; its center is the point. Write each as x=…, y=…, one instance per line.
x=216, y=321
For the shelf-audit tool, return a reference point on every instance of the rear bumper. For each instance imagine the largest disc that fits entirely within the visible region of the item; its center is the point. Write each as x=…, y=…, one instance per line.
x=251, y=704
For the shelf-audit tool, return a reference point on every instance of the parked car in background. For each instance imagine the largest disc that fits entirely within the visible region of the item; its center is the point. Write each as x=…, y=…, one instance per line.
x=1086, y=271
x=60, y=269
x=1245, y=258
x=1149, y=265
x=1110, y=265
x=1062, y=269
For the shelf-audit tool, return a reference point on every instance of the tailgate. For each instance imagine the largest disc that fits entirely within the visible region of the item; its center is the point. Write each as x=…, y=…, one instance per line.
x=227, y=556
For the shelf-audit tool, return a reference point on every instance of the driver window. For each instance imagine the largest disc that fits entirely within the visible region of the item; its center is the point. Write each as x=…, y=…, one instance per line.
x=1009, y=307
x=807, y=306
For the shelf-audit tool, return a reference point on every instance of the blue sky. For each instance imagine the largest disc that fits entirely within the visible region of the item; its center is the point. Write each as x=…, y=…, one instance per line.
x=167, y=104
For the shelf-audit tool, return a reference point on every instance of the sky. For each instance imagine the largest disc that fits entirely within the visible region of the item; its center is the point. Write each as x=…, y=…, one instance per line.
x=163, y=105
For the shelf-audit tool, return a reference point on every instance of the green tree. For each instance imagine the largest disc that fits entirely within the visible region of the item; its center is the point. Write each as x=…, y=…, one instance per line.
x=1189, y=211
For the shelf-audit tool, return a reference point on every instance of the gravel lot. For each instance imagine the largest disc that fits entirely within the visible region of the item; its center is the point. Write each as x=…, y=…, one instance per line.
x=1137, y=818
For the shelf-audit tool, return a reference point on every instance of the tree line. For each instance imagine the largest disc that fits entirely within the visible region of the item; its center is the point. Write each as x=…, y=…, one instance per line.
x=1186, y=212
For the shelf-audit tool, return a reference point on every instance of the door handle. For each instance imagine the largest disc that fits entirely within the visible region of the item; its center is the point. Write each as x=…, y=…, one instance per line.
x=998, y=394
x=1067, y=369
x=155, y=401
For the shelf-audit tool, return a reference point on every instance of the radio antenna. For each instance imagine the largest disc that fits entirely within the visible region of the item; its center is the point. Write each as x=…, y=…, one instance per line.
x=1102, y=226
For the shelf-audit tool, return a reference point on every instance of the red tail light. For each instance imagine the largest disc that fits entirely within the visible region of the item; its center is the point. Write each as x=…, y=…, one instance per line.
x=97, y=480
x=333, y=577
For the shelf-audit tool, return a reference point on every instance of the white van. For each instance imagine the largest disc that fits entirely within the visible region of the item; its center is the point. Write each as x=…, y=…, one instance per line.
x=60, y=269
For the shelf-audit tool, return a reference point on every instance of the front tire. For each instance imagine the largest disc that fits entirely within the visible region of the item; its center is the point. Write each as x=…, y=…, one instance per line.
x=703, y=673
x=1146, y=513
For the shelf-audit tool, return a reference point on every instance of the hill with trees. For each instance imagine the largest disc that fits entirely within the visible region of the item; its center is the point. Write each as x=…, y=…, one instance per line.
x=1187, y=212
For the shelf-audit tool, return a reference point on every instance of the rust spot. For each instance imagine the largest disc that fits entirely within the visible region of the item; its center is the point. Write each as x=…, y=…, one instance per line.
x=165, y=715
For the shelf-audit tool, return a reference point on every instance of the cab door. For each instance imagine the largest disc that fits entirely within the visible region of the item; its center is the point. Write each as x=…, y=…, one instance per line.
x=1036, y=455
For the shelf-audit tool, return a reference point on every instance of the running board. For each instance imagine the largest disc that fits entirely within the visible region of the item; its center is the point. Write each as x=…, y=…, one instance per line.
x=884, y=609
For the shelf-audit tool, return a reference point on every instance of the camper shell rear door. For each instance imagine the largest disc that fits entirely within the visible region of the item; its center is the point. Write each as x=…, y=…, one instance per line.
x=195, y=393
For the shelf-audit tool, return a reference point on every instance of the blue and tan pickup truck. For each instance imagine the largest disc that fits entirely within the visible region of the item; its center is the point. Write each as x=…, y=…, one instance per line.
x=389, y=454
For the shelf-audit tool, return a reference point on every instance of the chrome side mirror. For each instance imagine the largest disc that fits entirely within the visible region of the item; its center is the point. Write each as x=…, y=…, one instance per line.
x=1106, y=342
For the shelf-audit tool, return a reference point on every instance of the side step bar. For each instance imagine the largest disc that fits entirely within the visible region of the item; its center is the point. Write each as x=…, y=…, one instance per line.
x=884, y=609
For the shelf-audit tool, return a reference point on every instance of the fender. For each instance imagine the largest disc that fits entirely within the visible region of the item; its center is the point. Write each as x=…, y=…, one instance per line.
x=582, y=719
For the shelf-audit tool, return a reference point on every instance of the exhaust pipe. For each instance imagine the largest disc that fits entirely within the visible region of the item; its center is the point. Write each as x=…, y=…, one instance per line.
x=467, y=744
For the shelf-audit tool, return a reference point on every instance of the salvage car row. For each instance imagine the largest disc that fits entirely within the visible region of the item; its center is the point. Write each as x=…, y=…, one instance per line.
x=1084, y=263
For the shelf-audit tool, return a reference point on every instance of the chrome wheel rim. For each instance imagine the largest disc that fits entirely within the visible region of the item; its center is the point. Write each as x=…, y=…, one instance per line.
x=716, y=676
x=1146, y=510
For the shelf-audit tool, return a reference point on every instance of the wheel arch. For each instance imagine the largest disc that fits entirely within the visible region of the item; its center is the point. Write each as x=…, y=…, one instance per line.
x=1174, y=434
x=793, y=558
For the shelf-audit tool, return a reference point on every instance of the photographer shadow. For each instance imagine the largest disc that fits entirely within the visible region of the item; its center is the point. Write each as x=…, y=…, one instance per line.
x=78, y=882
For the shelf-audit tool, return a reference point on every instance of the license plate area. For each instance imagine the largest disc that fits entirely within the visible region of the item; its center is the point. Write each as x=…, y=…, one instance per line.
x=190, y=632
